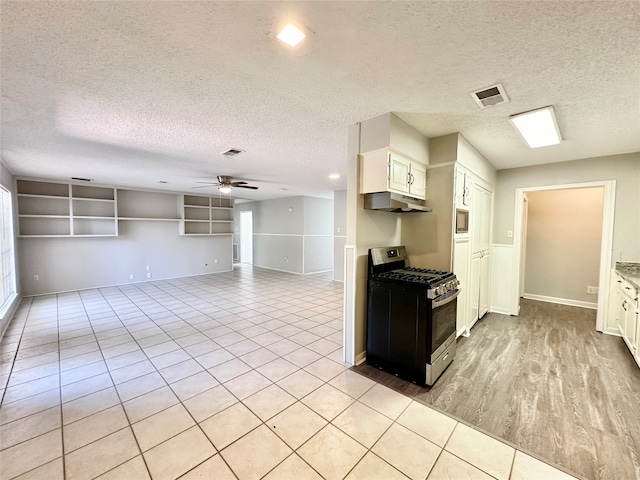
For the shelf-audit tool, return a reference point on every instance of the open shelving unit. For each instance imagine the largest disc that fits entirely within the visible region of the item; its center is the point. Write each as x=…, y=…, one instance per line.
x=50, y=209
x=203, y=215
x=56, y=209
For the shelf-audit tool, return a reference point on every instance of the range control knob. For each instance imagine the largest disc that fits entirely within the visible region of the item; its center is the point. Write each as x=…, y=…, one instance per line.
x=441, y=289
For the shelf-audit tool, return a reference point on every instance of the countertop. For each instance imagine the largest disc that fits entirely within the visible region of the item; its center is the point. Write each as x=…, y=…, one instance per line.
x=630, y=272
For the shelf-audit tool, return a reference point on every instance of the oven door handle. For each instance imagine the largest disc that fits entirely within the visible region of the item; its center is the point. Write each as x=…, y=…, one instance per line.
x=439, y=303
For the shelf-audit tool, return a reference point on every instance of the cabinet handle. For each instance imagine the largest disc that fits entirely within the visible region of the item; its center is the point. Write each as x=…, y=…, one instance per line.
x=619, y=281
x=624, y=305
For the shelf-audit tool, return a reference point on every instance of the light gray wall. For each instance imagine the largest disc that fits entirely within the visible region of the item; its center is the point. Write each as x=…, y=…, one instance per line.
x=293, y=234
x=318, y=235
x=75, y=263
x=339, y=233
x=624, y=169
x=564, y=233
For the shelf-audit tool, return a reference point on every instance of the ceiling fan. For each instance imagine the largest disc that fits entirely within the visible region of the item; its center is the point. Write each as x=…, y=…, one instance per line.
x=225, y=184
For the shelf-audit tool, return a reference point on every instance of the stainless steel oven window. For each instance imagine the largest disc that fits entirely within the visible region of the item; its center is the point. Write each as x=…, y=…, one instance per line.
x=443, y=321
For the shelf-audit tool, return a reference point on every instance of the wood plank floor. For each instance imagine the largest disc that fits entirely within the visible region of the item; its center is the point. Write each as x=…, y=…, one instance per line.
x=547, y=382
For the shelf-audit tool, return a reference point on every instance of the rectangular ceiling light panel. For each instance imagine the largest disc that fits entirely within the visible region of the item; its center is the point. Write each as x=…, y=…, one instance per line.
x=539, y=128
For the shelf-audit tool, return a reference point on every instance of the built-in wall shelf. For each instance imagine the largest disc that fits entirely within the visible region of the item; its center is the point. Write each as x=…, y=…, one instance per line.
x=57, y=209
x=51, y=209
x=202, y=215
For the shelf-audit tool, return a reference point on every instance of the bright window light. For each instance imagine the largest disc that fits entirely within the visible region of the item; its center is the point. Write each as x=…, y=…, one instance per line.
x=224, y=189
x=291, y=35
x=539, y=127
x=334, y=176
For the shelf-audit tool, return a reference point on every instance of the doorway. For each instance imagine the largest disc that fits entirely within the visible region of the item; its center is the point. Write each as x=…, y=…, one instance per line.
x=246, y=237
x=605, y=245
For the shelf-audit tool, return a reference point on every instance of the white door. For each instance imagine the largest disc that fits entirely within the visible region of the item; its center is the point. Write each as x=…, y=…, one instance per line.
x=246, y=237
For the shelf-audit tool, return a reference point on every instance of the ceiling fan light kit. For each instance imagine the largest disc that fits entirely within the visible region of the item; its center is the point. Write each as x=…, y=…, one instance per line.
x=225, y=184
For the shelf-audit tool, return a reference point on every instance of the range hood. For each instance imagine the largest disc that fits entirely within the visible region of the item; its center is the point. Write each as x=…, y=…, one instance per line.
x=393, y=202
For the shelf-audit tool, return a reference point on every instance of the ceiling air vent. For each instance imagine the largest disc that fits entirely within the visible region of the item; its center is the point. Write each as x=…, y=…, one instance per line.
x=232, y=152
x=490, y=96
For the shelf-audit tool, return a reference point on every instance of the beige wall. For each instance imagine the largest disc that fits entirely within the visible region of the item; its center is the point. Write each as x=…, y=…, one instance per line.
x=292, y=234
x=564, y=231
x=624, y=169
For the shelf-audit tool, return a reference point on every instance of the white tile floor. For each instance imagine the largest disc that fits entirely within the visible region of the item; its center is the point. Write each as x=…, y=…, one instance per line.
x=234, y=375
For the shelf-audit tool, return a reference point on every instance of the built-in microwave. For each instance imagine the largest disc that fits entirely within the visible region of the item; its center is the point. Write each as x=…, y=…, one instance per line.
x=462, y=220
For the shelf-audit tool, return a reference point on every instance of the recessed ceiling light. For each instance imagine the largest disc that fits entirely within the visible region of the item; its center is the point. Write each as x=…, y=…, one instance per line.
x=291, y=35
x=334, y=176
x=538, y=127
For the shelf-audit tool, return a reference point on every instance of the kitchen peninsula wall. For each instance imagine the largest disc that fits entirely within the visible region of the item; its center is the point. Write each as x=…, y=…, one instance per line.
x=339, y=233
x=292, y=234
x=370, y=228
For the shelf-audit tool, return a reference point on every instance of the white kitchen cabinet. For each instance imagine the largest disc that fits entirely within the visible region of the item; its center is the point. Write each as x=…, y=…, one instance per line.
x=626, y=311
x=463, y=187
x=386, y=170
x=480, y=251
x=627, y=314
x=461, y=268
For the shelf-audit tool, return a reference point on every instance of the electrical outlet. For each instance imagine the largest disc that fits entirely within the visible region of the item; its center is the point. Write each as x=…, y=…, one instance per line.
x=286, y=259
x=131, y=277
x=215, y=260
x=338, y=229
x=148, y=268
x=592, y=290
x=36, y=278
x=149, y=275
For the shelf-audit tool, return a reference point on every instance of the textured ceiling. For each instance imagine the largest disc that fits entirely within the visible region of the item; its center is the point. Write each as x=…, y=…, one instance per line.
x=134, y=93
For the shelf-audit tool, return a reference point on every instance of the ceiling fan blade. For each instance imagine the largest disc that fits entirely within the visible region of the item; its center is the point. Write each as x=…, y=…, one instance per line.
x=235, y=184
x=208, y=183
x=247, y=186
x=206, y=186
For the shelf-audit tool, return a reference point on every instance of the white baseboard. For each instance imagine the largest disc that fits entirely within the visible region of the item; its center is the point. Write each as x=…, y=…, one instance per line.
x=277, y=269
x=361, y=358
x=561, y=301
x=501, y=310
x=612, y=331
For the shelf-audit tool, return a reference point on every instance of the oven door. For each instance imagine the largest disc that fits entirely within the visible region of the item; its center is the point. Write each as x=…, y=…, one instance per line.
x=443, y=321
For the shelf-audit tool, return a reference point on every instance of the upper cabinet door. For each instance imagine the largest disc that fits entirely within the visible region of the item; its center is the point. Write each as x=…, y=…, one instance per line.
x=418, y=181
x=399, y=169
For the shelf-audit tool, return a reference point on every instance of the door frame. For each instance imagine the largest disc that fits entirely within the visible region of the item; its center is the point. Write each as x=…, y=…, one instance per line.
x=606, y=247
x=246, y=237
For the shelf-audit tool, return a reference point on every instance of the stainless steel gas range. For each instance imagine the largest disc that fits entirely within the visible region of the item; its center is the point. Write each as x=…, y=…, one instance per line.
x=411, y=317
